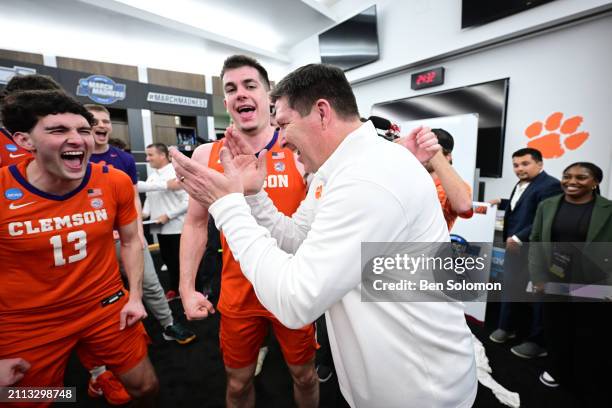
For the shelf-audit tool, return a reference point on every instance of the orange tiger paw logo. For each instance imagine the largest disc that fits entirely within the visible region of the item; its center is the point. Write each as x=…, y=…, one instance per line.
x=555, y=135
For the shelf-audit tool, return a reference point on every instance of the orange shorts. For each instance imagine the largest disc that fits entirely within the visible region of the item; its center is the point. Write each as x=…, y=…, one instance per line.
x=241, y=338
x=101, y=343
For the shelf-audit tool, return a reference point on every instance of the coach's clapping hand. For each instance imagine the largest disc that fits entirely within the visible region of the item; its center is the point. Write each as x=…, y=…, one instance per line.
x=196, y=305
x=252, y=169
x=203, y=184
x=132, y=313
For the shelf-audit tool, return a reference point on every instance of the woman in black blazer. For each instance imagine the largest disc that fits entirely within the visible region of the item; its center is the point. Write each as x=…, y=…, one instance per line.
x=571, y=242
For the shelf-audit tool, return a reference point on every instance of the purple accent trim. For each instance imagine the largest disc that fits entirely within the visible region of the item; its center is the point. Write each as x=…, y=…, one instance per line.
x=21, y=180
x=270, y=144
x=6, y=133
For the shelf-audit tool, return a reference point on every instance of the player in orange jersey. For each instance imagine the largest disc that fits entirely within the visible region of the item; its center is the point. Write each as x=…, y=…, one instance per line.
x=11, y=152
x=245, y=322
x=61, y=289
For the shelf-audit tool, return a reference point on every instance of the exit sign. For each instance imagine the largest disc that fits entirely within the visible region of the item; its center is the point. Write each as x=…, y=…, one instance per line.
x=427, y=79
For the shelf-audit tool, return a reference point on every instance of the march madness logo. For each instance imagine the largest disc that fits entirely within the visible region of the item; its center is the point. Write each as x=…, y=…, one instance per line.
x=101, y=89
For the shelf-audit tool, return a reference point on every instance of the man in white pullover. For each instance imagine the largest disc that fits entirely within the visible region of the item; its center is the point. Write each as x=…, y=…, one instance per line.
x=167, y=209
x=387, y=354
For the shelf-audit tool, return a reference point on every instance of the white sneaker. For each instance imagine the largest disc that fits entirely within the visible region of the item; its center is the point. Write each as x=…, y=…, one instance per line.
x=548, y=380
x=260, y=360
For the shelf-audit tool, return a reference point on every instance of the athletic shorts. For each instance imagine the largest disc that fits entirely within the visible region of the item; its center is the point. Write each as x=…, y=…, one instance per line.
x=241, y=338
x=96, y=344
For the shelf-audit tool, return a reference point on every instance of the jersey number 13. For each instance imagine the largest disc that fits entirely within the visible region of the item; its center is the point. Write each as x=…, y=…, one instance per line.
x=80, y=246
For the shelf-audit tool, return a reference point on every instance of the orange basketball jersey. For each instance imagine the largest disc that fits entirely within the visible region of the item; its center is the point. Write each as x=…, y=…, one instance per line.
x=285, y=186
x=11, y=152
x=58, y=254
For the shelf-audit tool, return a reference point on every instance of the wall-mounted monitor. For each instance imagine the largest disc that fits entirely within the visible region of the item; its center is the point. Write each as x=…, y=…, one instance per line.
x=352, y=43
x=488, y=100
x=477, y=12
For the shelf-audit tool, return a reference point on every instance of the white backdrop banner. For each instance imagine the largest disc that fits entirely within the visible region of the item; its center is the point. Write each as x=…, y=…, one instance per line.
x=479, y=228
x=464, y=129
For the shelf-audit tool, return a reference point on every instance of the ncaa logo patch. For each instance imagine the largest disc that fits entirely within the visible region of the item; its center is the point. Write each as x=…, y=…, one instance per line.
x=97, y=203
x=279, y=166
x=13, y=194
x=11, y=147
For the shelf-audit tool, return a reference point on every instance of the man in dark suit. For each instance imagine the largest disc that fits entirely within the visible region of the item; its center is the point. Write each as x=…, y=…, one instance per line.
x=534, y=186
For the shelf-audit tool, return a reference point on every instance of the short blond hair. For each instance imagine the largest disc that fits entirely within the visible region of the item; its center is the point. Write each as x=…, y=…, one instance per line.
x=92, y=107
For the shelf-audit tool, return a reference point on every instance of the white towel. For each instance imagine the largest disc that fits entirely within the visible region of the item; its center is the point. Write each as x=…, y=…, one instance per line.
x=509, y=398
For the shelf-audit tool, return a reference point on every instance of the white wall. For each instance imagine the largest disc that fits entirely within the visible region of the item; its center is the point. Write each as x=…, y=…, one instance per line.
x=74, y=29
x=567, y=70
x=415, y=30
x=305, y=52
